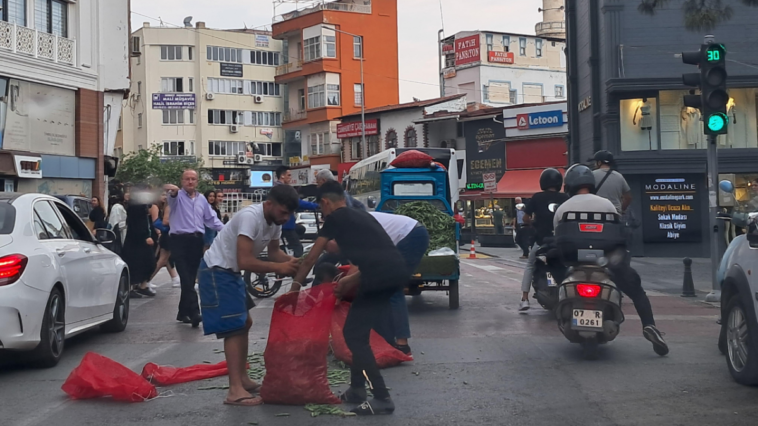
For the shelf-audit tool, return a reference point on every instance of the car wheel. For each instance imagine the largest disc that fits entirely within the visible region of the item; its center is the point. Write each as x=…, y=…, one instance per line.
x=742, y=356
x=53, y=332
x=121, y=309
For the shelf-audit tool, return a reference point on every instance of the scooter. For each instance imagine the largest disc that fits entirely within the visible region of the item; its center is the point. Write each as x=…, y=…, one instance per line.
x=548, y=273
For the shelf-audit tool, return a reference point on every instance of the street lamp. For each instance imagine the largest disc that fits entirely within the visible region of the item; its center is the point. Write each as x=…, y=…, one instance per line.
x=363, y=89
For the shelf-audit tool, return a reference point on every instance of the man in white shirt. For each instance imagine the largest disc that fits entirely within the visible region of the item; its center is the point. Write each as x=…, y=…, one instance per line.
x=223, y=296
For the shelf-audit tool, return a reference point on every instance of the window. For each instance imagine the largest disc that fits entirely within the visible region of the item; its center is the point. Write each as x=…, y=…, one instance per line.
x=538, y=47
x=226, y=148
x=333, y=94
x=50, y=16
x=373, y=144
x=533, y=93
x=14, y=11
x=259, y=57
x=265, y=88
x=490, y=42
x=391, y=139
x=254, y=118
x=191, y=116
x=267, y=119
x=317, y=143
x=223, y=54
x=514, y=97
x=356, y=148
x=358, y=89
x=559, y=92
x=173, y=148
x=506, y=43
x=171, y=53
x=191, y=84
x=190, y=53
x=269, y=149
x=522, y=46
x=172, y=85
x=357, y=47
x=173, y=116
x=312, y=48
x=316, y=96
x=48, y=218
x=411, y=138
x=225, y=85
x=330, y=46
x=301, y=97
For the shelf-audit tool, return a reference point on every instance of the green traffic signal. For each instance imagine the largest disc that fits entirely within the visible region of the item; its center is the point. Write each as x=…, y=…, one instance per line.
x=715, y=53
x=717, y=122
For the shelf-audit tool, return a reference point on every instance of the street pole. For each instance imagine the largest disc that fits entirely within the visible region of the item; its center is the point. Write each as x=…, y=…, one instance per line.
x=363, y=102
x=713, y=176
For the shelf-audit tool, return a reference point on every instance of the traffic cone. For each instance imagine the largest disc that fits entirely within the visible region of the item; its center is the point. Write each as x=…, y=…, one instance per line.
x=472, y=255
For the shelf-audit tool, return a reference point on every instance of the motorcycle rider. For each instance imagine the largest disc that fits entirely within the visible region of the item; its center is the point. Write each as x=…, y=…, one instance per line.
x=537, y=211
x=580, y=186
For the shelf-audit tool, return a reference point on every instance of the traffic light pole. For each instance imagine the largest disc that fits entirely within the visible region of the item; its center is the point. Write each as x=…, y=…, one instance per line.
x=713, y=178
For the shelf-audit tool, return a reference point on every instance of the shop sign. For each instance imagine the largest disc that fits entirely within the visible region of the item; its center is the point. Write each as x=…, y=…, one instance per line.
x=353, y=129
x=539, y=120
x=490, y=181
x=448, y=48
x=467, y=50
x=261, y=40
x=230, y=163
x=501, y=57
x=28, y=167
x=585, y=104
x=475, y=186
x=173, y=101
x=671, y=209
x=449, y=73
x=485, y=150
x=231, y=69
x=267, y=132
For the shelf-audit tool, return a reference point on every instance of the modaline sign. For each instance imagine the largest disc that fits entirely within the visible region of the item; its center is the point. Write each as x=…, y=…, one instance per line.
x=671, y=209
x=467, y=50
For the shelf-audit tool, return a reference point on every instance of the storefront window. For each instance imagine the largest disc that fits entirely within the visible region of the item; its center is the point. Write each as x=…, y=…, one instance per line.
x=745, y=197
x=639, y=131
x=483, y=209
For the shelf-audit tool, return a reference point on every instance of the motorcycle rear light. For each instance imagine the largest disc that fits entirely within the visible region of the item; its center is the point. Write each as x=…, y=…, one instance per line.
x=588, y=290
x=11, y=268
x=591, y=227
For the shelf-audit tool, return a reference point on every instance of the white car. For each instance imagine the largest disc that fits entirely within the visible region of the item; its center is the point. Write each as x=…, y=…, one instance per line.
x=56, y=280
x=308, y=220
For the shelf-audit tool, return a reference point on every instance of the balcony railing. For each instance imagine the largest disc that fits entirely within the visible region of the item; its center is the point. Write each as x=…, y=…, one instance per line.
x=290, y=67
x=294, y=115
x=37, y=44
x=323, y=5
x=543, y=28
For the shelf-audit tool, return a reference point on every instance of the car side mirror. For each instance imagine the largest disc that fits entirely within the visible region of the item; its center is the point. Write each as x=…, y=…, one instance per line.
x=371, y=201
x=106, y=237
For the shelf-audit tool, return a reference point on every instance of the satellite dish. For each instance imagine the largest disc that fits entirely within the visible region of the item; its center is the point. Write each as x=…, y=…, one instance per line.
x=188, y=22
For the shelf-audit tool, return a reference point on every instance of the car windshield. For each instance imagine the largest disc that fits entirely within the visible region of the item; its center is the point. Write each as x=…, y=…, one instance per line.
x=307, y=216
x=7, y=218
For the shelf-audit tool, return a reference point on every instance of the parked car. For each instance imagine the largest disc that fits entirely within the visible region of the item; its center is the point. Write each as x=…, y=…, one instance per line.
x=56, y=279
x=82, y=206
x=308, y=220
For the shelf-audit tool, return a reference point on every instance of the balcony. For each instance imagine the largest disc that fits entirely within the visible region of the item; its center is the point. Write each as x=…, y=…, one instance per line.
x=551, y=29
x=294, y=115
x=319, y=5
x=37, y=44
x=290, y=67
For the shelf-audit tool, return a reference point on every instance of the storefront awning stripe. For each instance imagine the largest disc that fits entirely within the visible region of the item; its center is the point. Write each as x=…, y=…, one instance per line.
x=514, y=183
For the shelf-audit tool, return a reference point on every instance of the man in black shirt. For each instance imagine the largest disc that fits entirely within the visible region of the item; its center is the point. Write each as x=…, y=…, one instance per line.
x=382, y=271
x=538, y=211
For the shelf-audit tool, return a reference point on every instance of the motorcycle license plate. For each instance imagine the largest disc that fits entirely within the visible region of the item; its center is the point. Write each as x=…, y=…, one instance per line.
x=550, y=280
x=586, y=319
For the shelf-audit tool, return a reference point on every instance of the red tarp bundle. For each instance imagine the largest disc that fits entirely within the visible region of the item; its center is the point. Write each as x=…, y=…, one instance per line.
x=98, y=376
x=386, y=355
x=298, y=343
x=165, y=375
x=412, y=159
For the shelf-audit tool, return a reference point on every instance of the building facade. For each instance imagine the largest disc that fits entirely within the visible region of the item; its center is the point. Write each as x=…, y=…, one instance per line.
x=325, y=44
x=499, y=69
x=204, y=93
x=63, y=74
x=626, y=96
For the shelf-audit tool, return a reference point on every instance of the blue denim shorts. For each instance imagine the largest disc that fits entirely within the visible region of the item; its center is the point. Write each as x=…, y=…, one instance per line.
x=223, y=301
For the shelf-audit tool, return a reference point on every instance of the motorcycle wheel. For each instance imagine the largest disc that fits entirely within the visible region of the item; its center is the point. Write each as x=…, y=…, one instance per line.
x=590, y=348
x=262, y=287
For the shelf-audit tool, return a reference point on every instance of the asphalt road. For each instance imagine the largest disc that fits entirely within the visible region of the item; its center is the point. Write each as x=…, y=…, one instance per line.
x=483, y=364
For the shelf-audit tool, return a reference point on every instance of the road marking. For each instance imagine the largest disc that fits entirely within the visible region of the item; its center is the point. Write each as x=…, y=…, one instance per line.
x=488, y=268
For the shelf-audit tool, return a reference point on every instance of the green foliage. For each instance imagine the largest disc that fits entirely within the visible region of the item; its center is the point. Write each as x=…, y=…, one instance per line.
x=145, y=166
x=699, y=15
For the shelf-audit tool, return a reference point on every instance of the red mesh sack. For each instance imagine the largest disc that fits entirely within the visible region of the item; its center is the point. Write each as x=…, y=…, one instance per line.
x=166, y=375
x=298, y=343
x=412, y=159
x=386, y=355
x=98, y=376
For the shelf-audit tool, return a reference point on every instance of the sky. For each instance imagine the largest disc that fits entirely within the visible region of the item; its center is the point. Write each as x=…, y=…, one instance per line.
x=418, y=21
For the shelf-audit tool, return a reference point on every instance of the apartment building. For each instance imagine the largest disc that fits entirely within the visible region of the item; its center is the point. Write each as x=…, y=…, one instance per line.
x=206, y=93
x=501, y=69
x=63, y=74
x=325, y=43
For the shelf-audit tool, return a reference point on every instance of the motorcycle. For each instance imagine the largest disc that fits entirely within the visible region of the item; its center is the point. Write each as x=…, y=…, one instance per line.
x=267, y=285
x=548, y=273
x=589, y=303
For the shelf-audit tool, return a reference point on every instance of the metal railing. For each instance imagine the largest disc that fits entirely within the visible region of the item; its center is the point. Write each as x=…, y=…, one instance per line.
x=336, y=6
x=37, y=44
x=550, y=27
x=289, y=67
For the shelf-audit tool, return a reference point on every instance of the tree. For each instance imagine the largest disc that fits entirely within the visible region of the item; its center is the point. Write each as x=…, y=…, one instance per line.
x=147, y=166
x=699, y=15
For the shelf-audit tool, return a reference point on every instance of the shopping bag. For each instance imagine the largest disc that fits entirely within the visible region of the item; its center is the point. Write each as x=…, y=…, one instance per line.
x=298, y=344
x=386, y=355
x=98, y=376
x=166, y=375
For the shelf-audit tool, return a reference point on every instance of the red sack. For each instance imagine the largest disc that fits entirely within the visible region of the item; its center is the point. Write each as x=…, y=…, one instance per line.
x=98, y=376
x=412, y=159
x=298, y=343
x=386, y=355
x=165, y=375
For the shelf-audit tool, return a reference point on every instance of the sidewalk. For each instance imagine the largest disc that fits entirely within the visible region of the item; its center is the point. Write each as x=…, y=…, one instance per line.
x=663, y=274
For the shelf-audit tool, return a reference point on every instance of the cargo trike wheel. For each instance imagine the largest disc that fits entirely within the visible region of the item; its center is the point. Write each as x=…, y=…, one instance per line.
x=454, y=301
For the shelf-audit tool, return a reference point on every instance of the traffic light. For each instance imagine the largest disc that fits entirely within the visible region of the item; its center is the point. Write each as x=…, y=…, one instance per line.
x=711, y=80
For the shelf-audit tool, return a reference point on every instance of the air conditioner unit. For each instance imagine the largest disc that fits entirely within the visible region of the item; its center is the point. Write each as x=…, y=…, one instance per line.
x=258, y=158
x=234, y=128
x=242, y=159
x=249, y=161
x=210, y=96
x=258, y=99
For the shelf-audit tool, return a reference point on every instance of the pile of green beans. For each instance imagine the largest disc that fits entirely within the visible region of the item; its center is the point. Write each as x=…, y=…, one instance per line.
x=440, y=225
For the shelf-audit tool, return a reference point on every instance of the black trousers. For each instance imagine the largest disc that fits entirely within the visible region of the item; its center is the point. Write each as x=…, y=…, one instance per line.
x=524, y=238
x=367, y=311
x=187, y=251
x=293, y=242
x=629, y=282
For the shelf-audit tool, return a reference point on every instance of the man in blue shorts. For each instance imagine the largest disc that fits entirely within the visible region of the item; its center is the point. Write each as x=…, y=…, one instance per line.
x=223, y=297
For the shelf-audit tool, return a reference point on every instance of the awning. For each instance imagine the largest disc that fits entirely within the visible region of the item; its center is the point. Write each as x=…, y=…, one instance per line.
x=514, y=183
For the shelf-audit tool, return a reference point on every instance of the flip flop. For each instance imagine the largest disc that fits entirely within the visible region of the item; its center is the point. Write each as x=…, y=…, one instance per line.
x=247, y=401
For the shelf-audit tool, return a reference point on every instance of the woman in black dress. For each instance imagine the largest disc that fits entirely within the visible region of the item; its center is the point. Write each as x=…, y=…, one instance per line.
x=97, y=214
x=139, y=248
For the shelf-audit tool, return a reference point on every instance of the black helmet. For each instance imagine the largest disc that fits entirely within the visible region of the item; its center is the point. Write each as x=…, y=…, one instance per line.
x=551, y=178
x=603, y=156
x=577, y=177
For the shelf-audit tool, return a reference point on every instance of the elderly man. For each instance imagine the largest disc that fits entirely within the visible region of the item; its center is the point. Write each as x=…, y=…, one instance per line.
x=189, y=215
x=323, y=176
